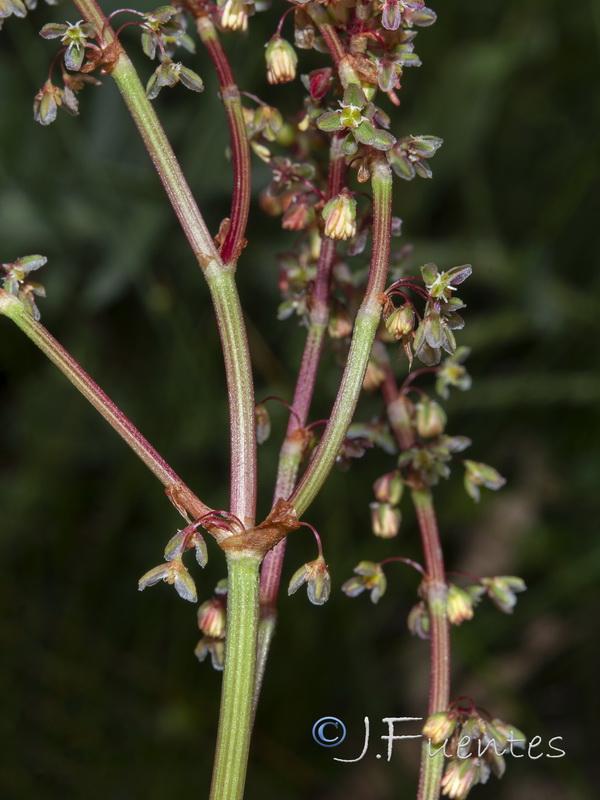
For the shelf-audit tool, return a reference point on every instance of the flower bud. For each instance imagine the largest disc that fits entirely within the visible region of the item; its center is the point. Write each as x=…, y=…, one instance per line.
x=401, y=321
x=388, y=488
x=459, y=605
x=215, y=647
x=385, y=520
x=439, y=727
x=281, y=61
x=431, y=418
x=212, y=618
x=460, y=776
x=234, y=16
x=419, y=623
x=340, y=216
x=263, y=423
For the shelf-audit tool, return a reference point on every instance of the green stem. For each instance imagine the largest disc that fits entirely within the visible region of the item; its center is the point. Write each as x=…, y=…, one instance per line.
x=223, y=289
x=13, y=308
x=235, y=722
x=365, y=327
x=240, y=390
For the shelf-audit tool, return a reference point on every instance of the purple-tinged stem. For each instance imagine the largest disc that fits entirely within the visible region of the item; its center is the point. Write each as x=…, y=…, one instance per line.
x=434, y=585
x=240, y=201
x=184, y=498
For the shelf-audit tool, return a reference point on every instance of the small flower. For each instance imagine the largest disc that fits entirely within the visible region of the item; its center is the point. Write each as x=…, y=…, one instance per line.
x=502, y=591
x=263, y=423
x=216, y=648
x=409, y=155
x=452, y=373
x=419, y=622
x=340, y=216
x=46, y=103
x=442, y=284
x=15, y=281
x=439, y=726
x=355, y=115
x=385, y=520
x=175, y=573
x=478, y=474
x=74, y=37
x=369, y=575
x=318, y=583
x=430, y=418
x=389, y=487
x=459, y=605
x=460, y=776
x=168, y=74
x=401, y=321
x=281, y=61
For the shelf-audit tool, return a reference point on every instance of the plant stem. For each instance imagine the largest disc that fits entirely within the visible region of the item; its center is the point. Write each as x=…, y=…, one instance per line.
x=365, y=327
x=240, y=202
x=13, y=308
x=435, y=585
x=219, y=275
x=240, y=389
x=327, y=30
x=292, y=447
x=235, y=723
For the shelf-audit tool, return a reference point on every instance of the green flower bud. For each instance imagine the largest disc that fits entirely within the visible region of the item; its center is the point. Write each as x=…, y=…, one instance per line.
x=459, y=605
x=340, y=216
x=385, y=520
x=430, y=419
x=281, y=61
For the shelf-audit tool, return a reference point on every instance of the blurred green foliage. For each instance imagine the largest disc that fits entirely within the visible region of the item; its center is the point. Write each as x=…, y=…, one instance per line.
x=101, y=695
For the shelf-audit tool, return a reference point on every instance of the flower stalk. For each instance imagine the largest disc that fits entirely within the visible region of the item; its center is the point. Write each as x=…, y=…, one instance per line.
x=434, y=585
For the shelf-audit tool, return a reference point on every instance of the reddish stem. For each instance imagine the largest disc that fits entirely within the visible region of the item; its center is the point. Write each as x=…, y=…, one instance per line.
x=240, y=201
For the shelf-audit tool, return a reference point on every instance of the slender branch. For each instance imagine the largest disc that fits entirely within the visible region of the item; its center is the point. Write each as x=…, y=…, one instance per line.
x=434, y=585
x=235, y=723
x=367, y=321
x=321, y=19
x=240, y=201
x=186, y=499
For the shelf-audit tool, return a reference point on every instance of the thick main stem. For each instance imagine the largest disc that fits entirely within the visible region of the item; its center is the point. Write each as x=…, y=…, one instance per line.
x=435, y=585
x=235, y=722
x=365, y=327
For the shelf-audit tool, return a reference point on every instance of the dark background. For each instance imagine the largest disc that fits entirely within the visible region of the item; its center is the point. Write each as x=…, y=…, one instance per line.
x=101, y=695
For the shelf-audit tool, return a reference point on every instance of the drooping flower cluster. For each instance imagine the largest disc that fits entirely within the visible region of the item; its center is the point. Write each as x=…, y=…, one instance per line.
x=474, y=744
x=14, y=278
